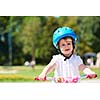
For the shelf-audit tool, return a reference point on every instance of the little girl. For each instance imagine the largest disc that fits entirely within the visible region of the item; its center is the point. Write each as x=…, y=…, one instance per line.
x=66, y=64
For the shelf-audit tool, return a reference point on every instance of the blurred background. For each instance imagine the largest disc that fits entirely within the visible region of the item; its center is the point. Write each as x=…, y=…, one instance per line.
x=27, y=40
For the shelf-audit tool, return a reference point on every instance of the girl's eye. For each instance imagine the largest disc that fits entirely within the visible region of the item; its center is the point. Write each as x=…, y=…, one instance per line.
x=63, y=44
x=68, y=43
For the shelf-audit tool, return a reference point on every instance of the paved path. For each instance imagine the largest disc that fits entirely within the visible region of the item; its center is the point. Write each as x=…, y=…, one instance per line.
x=90, y=81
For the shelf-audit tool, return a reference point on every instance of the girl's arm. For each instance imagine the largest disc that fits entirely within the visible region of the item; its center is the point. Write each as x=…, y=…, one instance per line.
x=50, y=67
x=87, y=71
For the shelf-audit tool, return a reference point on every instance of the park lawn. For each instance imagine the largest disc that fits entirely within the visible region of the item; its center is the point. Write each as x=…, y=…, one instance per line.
x=26, y=74
x=23, y=73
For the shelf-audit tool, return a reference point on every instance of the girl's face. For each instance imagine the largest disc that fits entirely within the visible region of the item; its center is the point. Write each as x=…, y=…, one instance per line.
x=66, y=46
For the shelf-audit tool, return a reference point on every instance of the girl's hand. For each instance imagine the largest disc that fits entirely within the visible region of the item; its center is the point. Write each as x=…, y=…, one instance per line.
x=41, y=77
x=38, y=78
x=59, y=80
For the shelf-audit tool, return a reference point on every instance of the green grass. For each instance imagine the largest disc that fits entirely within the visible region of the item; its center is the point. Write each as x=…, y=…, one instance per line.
x=23, y=74
x=26, y=74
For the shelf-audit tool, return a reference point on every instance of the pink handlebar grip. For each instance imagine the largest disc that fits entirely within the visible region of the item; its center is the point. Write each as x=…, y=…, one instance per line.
x=37, y=78
x=92, y=76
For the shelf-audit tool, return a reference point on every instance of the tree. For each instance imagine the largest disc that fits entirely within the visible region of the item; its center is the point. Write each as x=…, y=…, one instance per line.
x=89, y=28
x=45, y=47
x=28, y=33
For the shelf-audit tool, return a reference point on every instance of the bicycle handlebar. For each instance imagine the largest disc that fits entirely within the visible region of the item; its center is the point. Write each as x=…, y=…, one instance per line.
x=66, y=80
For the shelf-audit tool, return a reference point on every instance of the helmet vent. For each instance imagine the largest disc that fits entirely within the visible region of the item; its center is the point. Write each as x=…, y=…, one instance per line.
x=58, y=31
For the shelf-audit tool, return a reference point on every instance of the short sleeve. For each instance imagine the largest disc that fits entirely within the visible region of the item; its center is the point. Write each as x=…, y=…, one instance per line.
x=54, y=59
x=79, y=60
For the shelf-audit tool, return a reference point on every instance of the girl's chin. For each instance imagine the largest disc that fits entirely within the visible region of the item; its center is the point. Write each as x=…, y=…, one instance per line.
x=67, y=54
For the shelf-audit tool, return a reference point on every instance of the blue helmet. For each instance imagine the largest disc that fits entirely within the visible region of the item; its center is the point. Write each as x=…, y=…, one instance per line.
x=61, y=33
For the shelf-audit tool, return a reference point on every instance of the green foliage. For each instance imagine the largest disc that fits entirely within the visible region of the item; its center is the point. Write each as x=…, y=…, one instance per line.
x=32, y=36
x=45, y=48
x=89, y=29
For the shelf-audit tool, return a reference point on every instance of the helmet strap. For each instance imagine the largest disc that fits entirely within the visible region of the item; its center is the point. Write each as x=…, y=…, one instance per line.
x=65, y=56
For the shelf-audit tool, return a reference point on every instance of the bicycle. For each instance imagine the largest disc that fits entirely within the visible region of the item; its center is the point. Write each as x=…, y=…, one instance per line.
x=67, y=79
